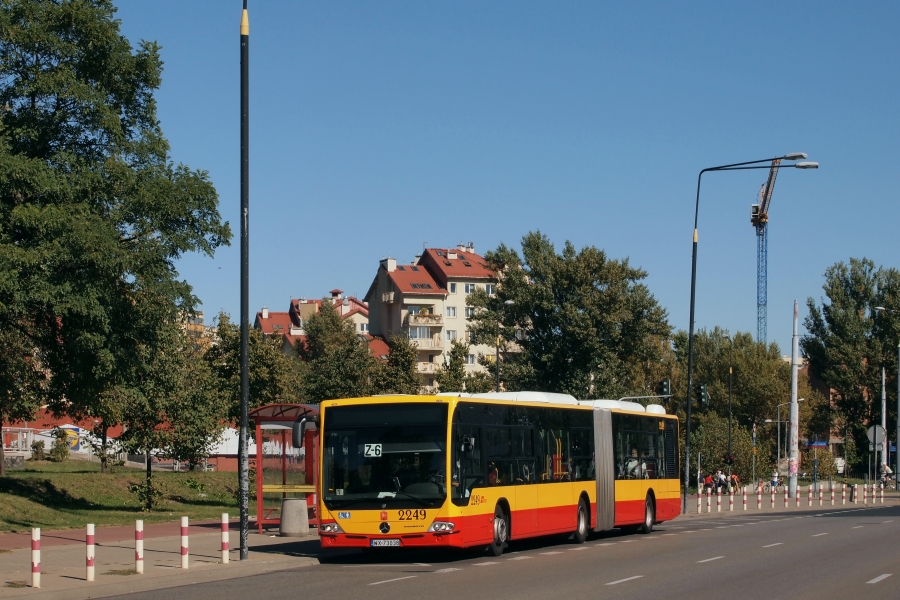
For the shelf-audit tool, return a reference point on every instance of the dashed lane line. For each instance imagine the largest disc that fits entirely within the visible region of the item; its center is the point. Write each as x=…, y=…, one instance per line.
x=706, y=560
x=484, y=564
x=549, y=553
x=618, y=581
x=579, y=548
x=818, y=534
x=879, y=578
x=449, y=570
x=858, y=527
x=775, y=544
x=390, y=580
x=518, y=558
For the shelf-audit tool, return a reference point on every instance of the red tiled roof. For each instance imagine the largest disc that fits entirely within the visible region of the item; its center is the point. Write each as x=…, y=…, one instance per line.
x=466, y=265
x=418, y=282
x=378, y=348
x=277, y=323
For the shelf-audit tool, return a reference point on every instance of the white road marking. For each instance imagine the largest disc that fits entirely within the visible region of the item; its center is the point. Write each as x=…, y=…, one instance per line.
x=579, y=548
x=390, y=580
x=517, y=558
x=818, y=534
x=365, y=566
x=888, y=521
x=710, y=559
x=775, y=544
x=422, y=564
x=625, y=541
x=857, y=527
x=670, y=534
x=548, y=553
x=484, y=564
x=879, y=578
x=691, y=531
x=624, y=580
x=604, y=544
x=450, y=570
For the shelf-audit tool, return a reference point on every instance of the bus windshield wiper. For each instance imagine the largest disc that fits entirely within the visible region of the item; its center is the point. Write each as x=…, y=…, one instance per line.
x=421, y=501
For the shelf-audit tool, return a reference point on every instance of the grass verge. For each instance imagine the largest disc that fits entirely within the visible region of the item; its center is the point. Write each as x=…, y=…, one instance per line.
x=67, y=495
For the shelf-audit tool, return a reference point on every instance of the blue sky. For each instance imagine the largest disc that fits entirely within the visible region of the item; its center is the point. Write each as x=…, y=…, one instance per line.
x=378, y=127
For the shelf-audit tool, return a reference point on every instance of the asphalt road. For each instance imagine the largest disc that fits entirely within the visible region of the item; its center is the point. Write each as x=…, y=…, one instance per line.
x=797, y=555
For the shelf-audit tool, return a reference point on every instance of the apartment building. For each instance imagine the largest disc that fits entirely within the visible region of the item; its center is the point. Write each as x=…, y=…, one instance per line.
x=426, y=300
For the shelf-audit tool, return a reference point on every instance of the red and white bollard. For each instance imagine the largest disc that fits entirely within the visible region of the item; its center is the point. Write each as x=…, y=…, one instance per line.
x=719, y=500
x=797, y=495
x=184, y=542
x=882, y=493
x=745, y=497
x=709, y=501
x=855, y=493
x=731, y=501
x=225, y=538
x=809, y=495
x=787, y=500
x=820, y=495
x=139, y=547
x=759, y=498
x=773, y=497
x=36, y=557
x=832, y=494
x=843, y=493
x=699, y=501
x=89, y=552
x=865, y=494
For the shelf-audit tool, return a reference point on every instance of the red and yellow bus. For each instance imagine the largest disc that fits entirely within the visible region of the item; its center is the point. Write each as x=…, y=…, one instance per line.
x=482, y=469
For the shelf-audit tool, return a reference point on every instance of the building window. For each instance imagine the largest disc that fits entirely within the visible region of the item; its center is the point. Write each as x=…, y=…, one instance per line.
x=489, y=288
x=470, y=359
x=470, y=312
x=452, y=288
x=468, y=336
x=364, y=328
x=451, y=335
x=431, y=358
x=470, y=287
x=419, y=333
x=413, y=310
x=451, y=312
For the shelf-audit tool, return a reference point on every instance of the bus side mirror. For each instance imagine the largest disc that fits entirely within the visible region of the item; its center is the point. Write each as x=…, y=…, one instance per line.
x=298, y=430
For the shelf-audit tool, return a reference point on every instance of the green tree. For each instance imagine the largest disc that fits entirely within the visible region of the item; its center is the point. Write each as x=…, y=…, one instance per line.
x=579, y=322
x=22, y=382
x=397, y=374
x=274, y=377
x=452, y=376
x=94, y=213
x=848, y=345
x=710, y=438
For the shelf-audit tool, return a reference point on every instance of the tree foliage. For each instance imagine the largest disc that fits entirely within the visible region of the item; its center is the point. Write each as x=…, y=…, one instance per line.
x=22, y=382
x=274, y=377
x=452, y=376
x=586, y=320
x=94, y=214
x=848, y=344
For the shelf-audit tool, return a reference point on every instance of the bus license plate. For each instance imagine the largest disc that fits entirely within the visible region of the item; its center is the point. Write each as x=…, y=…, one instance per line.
x=383, y=543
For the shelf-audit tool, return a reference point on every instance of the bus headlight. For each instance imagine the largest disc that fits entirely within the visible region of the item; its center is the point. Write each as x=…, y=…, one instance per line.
x=441, y=526
x=330, y=528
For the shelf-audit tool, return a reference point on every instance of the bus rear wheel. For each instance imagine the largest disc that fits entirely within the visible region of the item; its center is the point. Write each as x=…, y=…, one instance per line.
x=649, y=516
x=581, y=527
x=501, y=531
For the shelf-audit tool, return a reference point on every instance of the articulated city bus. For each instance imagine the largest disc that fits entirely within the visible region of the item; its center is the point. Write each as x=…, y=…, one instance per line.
x=482, y=469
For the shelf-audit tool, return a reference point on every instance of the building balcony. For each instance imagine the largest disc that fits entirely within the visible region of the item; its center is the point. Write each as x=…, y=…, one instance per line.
x=427, y=343
x=427, y=320
x=428, y=367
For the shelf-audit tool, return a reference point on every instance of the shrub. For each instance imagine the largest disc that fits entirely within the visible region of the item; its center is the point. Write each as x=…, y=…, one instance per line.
x=60, y=450
x=148, y=494
x=37, y=450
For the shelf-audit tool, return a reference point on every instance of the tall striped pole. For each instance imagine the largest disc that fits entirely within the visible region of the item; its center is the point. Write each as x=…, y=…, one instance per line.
x=139, y=547
x=36, y=557
x=184, y=542
x=89, y=552
x=225, y=538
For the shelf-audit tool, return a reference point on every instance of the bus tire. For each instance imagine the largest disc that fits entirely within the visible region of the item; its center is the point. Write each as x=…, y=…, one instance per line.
x=649, y=515
x=581, y=523
x=501, y=531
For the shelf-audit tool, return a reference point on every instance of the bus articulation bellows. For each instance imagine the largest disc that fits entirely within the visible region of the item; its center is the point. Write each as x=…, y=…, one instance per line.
x=468, y=470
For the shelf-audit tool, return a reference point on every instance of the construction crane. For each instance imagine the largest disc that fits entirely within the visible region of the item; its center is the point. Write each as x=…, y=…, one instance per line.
x=759, y=217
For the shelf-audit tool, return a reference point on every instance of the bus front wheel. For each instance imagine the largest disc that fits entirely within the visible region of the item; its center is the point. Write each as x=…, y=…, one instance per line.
x=501, y=531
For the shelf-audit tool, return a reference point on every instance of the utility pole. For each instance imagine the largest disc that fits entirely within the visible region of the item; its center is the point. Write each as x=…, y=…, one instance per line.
x=243, y=464
x=886, y=447
x=795, y=407
x=730, y=371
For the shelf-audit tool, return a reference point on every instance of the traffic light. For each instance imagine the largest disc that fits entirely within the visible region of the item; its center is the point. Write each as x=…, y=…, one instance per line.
x=664, y=388
x=729, y=459
x=702, y=394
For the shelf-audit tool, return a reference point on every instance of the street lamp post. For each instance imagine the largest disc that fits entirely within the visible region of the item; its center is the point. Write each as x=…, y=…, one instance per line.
x=897, y=435
x=505, y=305
x=778, y=409
x=753, y=164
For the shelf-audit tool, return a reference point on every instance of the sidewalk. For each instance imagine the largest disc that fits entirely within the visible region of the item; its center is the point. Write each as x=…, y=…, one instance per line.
x=891, y=498
x=63, y=560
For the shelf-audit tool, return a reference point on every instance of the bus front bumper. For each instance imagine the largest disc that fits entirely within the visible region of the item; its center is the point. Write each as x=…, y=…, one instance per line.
x=446, y=539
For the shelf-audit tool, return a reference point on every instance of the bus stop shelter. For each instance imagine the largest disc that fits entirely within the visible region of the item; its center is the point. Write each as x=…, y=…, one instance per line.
x=281, y=470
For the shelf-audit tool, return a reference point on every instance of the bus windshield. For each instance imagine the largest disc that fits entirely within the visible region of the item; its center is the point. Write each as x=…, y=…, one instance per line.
x=384, y=454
